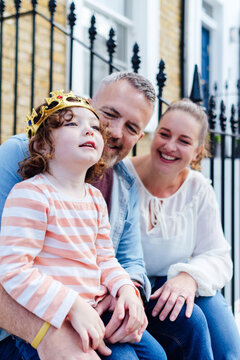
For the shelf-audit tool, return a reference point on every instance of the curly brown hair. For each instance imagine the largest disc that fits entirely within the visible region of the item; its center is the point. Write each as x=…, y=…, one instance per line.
x=37, y=161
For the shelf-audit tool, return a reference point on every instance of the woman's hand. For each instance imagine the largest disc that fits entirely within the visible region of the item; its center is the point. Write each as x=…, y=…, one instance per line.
x=172, y=296
x=129, y=302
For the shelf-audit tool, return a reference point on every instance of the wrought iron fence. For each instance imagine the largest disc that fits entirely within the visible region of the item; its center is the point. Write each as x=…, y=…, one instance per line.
x=223, y=167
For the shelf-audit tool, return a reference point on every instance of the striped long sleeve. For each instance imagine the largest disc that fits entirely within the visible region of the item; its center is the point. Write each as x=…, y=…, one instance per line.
x=54, y=248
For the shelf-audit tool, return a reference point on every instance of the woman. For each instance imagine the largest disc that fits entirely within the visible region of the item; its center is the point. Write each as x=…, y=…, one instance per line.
x=187, y=257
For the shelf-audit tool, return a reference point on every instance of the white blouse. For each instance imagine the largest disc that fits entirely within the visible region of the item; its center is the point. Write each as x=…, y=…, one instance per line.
x=186, y=233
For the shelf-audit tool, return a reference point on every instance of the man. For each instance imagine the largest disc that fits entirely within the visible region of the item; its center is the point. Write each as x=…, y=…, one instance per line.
x=125, y=101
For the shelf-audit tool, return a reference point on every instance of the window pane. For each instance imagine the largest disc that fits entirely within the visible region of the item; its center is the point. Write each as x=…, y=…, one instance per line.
x=119, y=6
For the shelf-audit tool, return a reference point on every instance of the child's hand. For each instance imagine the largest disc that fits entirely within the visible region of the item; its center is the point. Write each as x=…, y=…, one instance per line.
x=87, y=323
x=128, y=300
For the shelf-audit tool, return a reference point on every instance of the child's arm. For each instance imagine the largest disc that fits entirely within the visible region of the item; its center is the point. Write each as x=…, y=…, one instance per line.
x=88, y=324
x=24, y=224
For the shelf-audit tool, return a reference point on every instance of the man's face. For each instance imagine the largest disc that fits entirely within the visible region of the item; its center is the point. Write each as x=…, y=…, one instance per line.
x=126, y=111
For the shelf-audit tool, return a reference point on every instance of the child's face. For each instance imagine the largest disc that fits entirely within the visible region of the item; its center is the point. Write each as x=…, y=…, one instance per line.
x=78, y=141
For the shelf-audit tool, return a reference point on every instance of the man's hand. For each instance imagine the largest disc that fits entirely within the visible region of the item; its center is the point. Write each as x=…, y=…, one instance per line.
x=107, y=304
x=116, y=331
x=116, y=328
x=172, y=296
x=129, y=301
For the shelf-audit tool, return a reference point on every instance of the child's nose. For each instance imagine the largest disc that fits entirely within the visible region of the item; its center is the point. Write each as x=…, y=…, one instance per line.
x=88, y=132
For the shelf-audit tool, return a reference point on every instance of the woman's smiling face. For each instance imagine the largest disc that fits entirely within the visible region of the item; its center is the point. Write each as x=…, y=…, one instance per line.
x=176, y=142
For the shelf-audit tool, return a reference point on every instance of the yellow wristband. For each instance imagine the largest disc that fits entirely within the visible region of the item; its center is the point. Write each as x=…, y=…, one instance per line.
x=40, y=335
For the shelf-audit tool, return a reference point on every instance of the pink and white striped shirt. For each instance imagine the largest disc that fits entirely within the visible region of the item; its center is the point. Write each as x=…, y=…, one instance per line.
x=54, y=248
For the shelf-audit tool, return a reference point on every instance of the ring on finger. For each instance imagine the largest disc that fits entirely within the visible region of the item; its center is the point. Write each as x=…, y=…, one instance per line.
x=182, y=297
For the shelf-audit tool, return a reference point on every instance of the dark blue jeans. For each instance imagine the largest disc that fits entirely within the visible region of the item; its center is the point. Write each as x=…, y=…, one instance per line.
x=8, y=350
x=210, y=333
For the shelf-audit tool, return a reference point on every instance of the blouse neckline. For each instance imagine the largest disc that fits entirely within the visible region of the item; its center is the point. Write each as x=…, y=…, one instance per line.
x=162, y=199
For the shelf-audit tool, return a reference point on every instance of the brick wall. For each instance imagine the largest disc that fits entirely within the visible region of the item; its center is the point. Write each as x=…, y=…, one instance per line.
x=170, y=32
x=24, y=61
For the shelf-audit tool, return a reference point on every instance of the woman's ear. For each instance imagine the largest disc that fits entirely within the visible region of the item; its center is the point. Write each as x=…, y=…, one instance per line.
x=198, y=152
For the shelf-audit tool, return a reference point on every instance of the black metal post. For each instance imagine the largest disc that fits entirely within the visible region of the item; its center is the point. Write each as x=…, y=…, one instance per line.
x=34, y=4
x=72, y=20
x=211, y=119
x=234, y=128
x=17, y=6
x=111, y=45
x=52, y=8
x=136, y=61
x=92, y=36
x=2, y=8
x=161, y=79
x=223, y=119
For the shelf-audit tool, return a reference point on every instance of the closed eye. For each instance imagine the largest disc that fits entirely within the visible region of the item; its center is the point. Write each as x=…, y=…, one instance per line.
x=109, y=115
x=164, y=134
x=186, y=142
x=95, y=127
x=131, y=129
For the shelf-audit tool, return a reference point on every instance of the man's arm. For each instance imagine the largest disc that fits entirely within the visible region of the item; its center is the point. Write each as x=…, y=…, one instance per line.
x=61, y=344
x=12, y=151
x=16, y=320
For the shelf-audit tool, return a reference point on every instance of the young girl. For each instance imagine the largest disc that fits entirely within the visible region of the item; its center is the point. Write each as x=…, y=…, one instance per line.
x=186, y=254
x=56, y=256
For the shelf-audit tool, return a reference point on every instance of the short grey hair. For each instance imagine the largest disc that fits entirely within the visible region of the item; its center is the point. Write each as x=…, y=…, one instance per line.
x=139, y=82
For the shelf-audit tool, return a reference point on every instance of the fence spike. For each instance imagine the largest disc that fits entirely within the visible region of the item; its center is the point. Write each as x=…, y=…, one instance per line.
x=34, y=4
x=222, y=116
x=52, y=4
x=92, y=31
x=17, y=5
x=111, y=48
x=72, y=16
x=211, y=112
x=196, y=93
x=161, y=77
x=2, y=8
x=111, y=43
x=238, y=87
x=233, y=121
x=136, y=60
